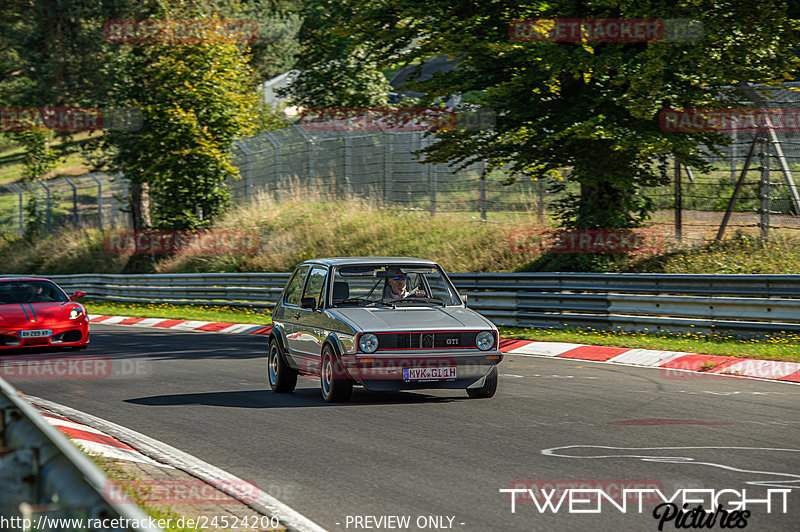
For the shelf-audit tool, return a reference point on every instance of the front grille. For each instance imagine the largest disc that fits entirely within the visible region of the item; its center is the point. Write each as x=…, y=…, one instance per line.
x=427, y=340
x=8, y=340
x=68, y=336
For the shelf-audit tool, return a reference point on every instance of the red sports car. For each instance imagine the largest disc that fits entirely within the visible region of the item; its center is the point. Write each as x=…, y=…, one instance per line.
x=36, y=312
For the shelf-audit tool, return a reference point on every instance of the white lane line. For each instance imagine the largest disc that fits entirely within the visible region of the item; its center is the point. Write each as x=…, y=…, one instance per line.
x=220, y=479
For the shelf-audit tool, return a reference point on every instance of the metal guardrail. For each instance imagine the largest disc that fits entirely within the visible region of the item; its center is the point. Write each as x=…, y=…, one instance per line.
x=46, y=480
x=723, y=304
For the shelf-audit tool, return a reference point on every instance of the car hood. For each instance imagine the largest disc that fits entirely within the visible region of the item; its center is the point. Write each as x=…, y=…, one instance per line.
x=16, y=314
x=414, y=318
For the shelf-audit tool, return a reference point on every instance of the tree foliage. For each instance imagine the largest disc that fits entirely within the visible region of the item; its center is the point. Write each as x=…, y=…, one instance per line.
x=591, y=107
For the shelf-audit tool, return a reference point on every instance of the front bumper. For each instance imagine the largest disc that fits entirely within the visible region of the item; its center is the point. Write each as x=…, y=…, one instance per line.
x=384, y=371
x=64, y=334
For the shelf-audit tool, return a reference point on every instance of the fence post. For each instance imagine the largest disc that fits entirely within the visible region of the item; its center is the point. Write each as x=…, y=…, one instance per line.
x=540, y=200
x=20, y=203
x=248, y=178
x=733, y=156
x=277, y=160
x=74, y=201
x=678, y=201
x=310, y=158
x=482, y=202
x=765, y=191
x=99, y=201
x=49, y=206
x=387, y=167
x=348, y=155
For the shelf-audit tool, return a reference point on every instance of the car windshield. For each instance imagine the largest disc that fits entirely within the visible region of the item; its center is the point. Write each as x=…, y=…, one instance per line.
x=391, y=285
x=30, y=292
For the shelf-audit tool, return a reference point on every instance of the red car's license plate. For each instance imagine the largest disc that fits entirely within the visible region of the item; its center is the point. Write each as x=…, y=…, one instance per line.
x=36, y=333
x=427, y=374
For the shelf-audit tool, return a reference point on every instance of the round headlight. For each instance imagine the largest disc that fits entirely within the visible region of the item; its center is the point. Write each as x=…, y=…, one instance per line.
x=485, y=340
x=368, y=343
x=75, y=313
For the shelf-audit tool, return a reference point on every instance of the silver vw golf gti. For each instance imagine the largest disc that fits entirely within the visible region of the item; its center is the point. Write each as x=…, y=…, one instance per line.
x=384, y=323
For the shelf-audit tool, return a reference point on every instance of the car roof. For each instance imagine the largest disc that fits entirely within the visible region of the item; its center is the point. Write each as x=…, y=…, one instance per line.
x=23, y=278
x=340, y=261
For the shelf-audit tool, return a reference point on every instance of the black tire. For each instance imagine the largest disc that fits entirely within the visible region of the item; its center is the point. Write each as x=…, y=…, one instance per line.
x=489, y=386
x=336, y=388
x=282, y=378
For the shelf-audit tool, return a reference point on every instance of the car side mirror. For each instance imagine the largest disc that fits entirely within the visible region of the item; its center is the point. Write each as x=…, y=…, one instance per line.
x=76, y=295
x=308, y=302
x=464, y=300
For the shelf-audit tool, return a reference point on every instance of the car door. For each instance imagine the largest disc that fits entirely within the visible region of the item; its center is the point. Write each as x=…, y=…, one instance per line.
x=310, y=331
x=290, y=314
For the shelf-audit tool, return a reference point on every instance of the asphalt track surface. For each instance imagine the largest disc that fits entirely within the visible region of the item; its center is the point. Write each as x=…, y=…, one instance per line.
x=441, y=454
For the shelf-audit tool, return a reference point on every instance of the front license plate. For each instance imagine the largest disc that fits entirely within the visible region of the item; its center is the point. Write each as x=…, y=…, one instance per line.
x=36, y=333
x=429, y=374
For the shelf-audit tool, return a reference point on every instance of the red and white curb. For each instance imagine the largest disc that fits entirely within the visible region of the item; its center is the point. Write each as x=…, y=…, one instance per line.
x=182, y=325
x=66, y=418
x=668, y=360
x=97, y=442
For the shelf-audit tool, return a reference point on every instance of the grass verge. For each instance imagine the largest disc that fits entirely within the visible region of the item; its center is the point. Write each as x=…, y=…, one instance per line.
x=785, y=347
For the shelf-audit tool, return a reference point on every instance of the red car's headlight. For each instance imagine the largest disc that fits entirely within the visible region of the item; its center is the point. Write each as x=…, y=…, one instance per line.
x=75, y=313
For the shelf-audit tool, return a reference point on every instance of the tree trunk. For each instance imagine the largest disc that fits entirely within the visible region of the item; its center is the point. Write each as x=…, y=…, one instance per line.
x=140, y=206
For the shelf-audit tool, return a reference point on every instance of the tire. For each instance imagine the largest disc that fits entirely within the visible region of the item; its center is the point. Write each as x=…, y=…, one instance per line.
x=282, y=378
x=489, y=386
x=336, y=388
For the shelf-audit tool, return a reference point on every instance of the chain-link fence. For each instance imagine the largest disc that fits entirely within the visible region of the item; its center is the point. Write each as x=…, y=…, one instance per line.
x=383, y=165
x=386, y=166
x=95, y=200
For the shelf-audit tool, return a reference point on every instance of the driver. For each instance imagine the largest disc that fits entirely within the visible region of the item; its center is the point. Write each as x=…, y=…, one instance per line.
x=396, y=286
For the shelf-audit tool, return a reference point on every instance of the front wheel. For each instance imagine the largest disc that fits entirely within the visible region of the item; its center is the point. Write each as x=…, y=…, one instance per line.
x=336, y=387
x=489, y=386
x=282, y=378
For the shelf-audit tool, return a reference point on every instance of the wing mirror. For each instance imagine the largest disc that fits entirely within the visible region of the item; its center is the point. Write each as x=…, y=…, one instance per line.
x=308, y=303
x=76, y=295
x=464, y=299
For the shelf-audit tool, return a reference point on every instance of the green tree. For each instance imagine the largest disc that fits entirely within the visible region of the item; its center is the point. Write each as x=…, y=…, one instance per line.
x=196, y=98
x=334, y=69
x=588, y=106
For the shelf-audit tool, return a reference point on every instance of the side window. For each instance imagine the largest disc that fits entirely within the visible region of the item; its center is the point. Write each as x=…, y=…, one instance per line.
x=295, y=287
x=316, y=285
